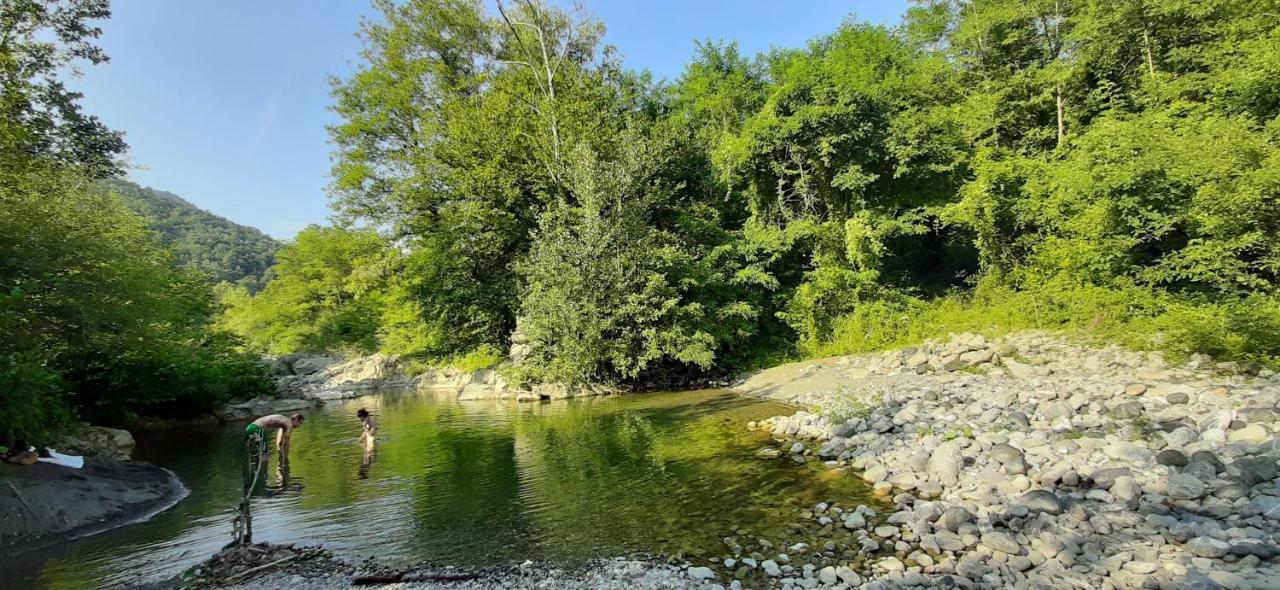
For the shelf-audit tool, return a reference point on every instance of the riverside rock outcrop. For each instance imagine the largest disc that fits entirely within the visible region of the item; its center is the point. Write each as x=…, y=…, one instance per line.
x=327, y=378
x=1034, y=462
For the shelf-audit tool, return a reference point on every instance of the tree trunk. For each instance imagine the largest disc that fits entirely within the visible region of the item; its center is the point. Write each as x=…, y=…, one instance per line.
x=1146, y=43
x=1062, y=126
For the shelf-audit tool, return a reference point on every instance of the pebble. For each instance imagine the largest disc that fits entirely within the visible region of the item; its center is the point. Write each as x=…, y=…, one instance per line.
x=701, y=573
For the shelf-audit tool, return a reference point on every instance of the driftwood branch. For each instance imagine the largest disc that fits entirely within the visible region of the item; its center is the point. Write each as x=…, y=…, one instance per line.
x=254, y=570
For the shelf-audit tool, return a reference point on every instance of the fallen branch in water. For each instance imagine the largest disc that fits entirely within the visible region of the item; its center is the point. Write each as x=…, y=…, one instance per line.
x=372, y=579
x=253, y=570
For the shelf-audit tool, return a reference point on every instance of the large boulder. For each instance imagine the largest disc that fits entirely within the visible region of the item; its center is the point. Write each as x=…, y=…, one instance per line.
x=98, y=441
x=310, y=365
x=375, y=367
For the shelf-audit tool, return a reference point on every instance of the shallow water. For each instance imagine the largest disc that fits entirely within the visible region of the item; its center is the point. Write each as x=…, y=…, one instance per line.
x=471, y=483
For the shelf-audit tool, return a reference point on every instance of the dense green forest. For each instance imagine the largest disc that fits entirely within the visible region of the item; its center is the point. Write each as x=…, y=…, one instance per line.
x=1104, y=167
x=201, y=241
x=97, y=319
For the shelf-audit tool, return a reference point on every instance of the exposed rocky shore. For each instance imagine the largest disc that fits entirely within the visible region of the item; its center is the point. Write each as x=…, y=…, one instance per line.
x=284, y=567
x=1030, y=462
x=331, y=377
x=42, y=504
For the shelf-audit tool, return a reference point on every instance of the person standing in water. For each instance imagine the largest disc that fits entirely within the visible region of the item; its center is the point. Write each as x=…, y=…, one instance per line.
x=370, y=426
x=256, y=431
x=255, y=443
x=369, y=430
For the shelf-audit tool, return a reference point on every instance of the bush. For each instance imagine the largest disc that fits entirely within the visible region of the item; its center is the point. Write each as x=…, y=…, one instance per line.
x=482, y=357
x=31, y=405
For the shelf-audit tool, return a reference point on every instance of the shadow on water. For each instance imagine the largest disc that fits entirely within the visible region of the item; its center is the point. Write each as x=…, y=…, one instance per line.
x=471, y=483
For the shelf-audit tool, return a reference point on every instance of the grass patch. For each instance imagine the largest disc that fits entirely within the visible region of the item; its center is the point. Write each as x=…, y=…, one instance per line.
x=1244, y=329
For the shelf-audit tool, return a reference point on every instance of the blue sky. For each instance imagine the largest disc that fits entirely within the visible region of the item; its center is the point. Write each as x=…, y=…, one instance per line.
x=225, y=102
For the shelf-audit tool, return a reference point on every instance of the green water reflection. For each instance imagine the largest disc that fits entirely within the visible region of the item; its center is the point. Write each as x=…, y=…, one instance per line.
x=474, y=483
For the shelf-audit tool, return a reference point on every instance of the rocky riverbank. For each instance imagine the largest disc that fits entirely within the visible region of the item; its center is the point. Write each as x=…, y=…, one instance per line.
x=330, y=377
x=42, y=503
x=1034, y=462
x=284, y=567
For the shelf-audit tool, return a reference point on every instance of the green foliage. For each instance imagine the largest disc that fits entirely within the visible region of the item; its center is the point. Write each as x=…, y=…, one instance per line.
x=599, y=304
x=326, y=295
x=1139, y=317
x=1103, y=168
x=96, y=322
x=31, y=404
x=45, y=40
x=483, y=357
x=97, y=316
x=202, y=241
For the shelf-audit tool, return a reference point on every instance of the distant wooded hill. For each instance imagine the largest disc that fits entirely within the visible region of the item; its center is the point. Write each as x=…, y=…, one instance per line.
x=200, y=240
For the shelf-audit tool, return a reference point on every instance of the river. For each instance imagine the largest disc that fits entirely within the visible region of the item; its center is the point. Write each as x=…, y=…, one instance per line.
x=471, y=483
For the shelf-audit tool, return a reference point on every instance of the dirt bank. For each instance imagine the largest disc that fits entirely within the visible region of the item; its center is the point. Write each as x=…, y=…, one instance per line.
x=43, y=504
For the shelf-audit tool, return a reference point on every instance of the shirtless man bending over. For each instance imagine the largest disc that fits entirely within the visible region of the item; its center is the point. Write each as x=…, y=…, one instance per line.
x=255, y=433
x=255, y=443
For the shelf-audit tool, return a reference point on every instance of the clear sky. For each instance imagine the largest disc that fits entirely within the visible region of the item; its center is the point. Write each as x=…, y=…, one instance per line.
x=225, y=102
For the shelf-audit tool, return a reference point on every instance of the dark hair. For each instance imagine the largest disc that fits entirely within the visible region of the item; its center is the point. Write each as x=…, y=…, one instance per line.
x=298, y=417
x=362, y=413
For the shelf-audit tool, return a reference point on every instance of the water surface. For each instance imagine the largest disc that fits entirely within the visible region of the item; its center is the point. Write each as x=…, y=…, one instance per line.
x=471, y=483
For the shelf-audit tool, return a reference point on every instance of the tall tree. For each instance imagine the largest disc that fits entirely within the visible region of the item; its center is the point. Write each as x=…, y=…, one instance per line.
x=40, y=41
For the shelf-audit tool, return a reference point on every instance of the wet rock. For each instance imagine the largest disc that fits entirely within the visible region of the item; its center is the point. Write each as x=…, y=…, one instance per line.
x=769, y=453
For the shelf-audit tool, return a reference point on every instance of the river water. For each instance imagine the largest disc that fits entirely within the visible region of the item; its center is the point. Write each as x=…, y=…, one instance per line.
x=471, y=483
